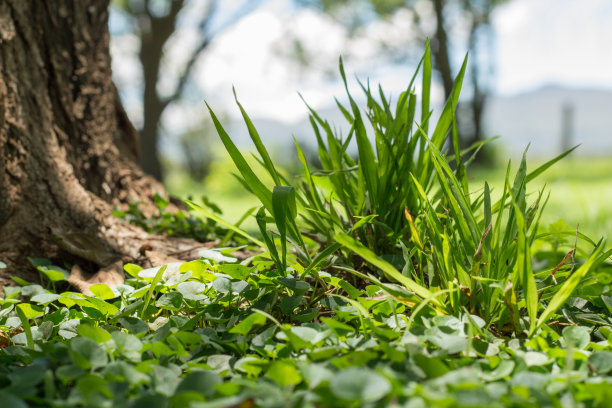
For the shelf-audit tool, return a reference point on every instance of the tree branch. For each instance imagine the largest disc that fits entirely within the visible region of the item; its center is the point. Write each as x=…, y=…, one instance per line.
x=207, y=38
x=206, y=41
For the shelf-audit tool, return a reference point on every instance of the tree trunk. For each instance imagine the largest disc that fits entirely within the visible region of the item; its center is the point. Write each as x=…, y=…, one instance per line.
x=155, y=31
x=68, y=153
x=440, y=49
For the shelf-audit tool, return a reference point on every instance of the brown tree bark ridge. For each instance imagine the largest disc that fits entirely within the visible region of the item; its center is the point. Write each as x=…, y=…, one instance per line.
x=68, y=152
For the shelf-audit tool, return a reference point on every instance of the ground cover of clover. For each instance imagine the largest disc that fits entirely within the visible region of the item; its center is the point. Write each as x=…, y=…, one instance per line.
x=217, y=333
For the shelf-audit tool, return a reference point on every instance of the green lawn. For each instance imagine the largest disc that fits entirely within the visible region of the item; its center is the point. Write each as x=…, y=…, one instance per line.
x=580, y=192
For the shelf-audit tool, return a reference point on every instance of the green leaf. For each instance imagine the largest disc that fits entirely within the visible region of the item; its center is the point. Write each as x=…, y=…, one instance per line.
x=576, y=337
x=289, y=303
x=170, y=301
x=156, y=279
x=127, y=342
x=25, y=323
x=601, y=361
x=45, y=298
x=359, y=384
x=54, y=273
x=87, y=354
x=132, y=269
x=102, y=291
x=339, y=328
x=40, y=261
x=93, y=384
x=235, y=271
x=97, y=334
x=192, y=290
x=30, y=311
x=224, y=285
x=134, y=325
x=432, y=366
x=299, y=287
x=284, y=373
x=246, y=325
x=201, y=382
x=13, y=401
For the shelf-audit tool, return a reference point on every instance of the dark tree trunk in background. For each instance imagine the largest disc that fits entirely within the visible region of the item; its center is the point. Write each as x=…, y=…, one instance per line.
x=440, y=49
x=153, y=37
x=68, y=153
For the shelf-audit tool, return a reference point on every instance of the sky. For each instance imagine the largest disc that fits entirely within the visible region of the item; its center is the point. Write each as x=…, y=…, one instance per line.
x=537, y=43
x=553, y=41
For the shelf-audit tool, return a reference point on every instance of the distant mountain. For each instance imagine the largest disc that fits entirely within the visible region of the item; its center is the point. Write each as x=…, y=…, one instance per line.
x=532, y=117
x=536, y=117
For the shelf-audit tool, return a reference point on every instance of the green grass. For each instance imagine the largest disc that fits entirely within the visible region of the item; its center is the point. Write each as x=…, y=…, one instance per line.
x=394, y=279
x=580, y=192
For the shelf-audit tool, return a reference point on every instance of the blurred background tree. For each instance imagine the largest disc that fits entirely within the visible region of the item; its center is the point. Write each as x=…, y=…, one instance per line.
x=525, y=69
x=160, y=25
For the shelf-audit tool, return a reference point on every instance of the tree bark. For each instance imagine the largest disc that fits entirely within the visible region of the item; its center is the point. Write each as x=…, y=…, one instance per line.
x=68, y=152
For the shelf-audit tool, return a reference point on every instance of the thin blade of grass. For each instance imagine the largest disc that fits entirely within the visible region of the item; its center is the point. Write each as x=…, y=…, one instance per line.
x=367, y=160
x=149, y=295
x=25, y=323
x=549, y=163
x=231, y=231
x=426, y=88
x=524, y=269
x=263, y=152
x=261, y=223
x=224, y=223
x=323, y=255
x=283, y=201
x=256, y=186
x=446, y=118
x=351, y=243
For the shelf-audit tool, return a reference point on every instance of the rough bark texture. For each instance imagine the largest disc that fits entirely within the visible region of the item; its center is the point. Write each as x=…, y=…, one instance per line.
x=68, y=153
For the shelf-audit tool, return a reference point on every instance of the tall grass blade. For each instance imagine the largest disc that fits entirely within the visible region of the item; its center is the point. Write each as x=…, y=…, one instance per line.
x=269, y=166
x=25, y=323
x=549, y=163
x=446, y=118
x=351, y=243
x=322, y=256
x=225, y=224
x=261, y=223
x=255, y=185
x=367, y=160
x=285, y=211
x=147, y=299
x=524, y=269
x=426, y=88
